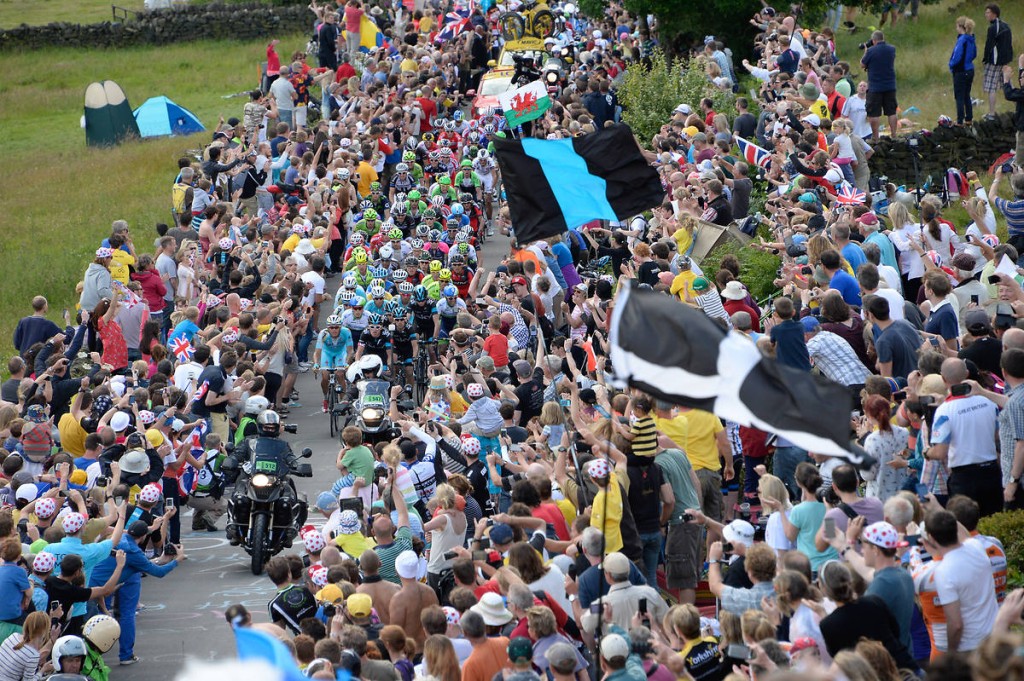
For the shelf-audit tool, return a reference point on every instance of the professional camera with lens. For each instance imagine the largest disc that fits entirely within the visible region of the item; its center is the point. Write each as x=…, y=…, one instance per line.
x=292, y=428
x=278, y=319
x=862, y=46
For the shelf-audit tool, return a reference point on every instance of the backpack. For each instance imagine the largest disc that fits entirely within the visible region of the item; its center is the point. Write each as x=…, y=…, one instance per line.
x=37, y=441
x=178, y=192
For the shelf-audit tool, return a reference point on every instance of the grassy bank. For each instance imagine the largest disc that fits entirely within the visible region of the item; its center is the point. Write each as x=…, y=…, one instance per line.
x=39, y=12
x=60, y=196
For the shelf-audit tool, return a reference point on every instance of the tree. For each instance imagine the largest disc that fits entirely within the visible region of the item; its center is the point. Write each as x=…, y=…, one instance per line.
x=650, y=91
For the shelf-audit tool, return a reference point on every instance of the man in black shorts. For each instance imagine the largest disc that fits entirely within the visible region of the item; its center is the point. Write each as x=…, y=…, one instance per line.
x=880, y=61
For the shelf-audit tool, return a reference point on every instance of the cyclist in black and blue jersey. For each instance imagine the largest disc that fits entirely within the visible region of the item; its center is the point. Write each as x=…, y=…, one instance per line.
x=404, y=341
x=376, y=340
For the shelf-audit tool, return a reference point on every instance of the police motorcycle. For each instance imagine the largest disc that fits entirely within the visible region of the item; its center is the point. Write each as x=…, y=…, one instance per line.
x=265, y=510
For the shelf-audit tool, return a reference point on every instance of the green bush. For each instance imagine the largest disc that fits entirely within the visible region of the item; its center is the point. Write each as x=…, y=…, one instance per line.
x=696, y=86
x=1008, y=527
x=757, y=268
x=648, y=94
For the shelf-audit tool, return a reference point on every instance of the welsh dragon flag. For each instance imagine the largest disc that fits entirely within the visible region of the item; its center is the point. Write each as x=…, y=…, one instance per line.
x=525, y=103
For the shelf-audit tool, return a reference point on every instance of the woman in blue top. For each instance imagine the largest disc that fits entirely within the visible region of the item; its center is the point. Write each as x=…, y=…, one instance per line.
x=961, y=65
x=804, y=520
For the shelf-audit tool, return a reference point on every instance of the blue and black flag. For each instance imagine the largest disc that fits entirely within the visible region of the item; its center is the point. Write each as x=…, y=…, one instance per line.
x=555, y=185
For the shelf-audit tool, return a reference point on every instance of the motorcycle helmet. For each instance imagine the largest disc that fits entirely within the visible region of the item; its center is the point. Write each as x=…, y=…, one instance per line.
x=399, y=275
x=332, y=320
x=435, y=265
x=420, y=293
x=257, y=403
x=370, y=214
x=449, y=291
x=458, y=209
x=65, y=647
x=445, y=274
x=101, y=632
x=405, y=288
x=370, y=366
x=269, y=423
x=365, y=204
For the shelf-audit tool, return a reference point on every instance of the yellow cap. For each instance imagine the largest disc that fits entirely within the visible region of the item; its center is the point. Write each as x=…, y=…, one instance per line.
x=359, y=605
x=330, y=594
x=690, y=130
x=154, y=437
x=78, y=477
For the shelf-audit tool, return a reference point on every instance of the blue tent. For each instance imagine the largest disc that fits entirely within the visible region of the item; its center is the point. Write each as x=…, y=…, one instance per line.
x=159, y=116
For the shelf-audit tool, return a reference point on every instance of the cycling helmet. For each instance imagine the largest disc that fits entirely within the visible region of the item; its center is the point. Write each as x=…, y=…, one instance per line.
x=101, y=632
x=435, y=266
x=349, y=281
x=437, y=201
x=344, y=295
x=444, y=144
x=344, y=174
x=462, y=236
x=402, y=168
x=379, y=275
x=365, y=204
x=394, y=233
x=435, y=235
x=444, y=179
x=358, y=301
x=457, y=260
x=422, y=230
x=457, y=116
x=400, y=208
x=358, y=238
x=370, y=214
x=428, y=137
x=473, y=135
x=400, y=313
x=466, y=163
x=445, y=274
x=359, y=256
x=67, y=646
x=449, y=125
x=375, y=319
x=452, y=221
x=483, y=154
x=458, y=209
x=416, y=244
x=489, y=129
x=399, y=276
x=420, y=293
x=375, y=187
x=409, y=154
x=377, y=292
x=429, y=214
x=386, y=252
x=449, y=291
x=405, y=288
x=411, y=143
x=269, y=423
x=257, y=403
x=463, y=247
x=414, y=195
x=400, y=196
x=435, y=155
x=465, y=197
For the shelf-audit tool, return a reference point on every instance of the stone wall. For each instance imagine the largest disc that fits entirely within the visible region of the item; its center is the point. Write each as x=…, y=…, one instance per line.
x=164, y=26
x=966, y=148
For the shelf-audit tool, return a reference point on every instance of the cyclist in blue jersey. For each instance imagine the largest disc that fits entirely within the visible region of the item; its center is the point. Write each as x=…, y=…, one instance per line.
x=354, y=319
x=448, y=309
x=332, y=353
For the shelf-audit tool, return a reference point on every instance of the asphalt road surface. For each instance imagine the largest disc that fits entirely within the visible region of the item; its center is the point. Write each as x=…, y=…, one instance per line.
x=184, y=612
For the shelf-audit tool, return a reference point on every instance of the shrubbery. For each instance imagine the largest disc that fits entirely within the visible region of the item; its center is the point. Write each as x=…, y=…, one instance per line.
x=1008, y=527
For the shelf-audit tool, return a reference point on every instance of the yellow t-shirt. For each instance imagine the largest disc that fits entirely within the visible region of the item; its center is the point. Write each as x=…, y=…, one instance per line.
x=409, y=65
x=367, y=175
x=426, y=23
x=683, y=240
x=119, y=266
x=72, y=435
x=701, y=443
x=683, y=283
x=607, y=516
x=568, y=510
x=290, y=243
x=820, y=107
x=676, y=428
x=354, y=544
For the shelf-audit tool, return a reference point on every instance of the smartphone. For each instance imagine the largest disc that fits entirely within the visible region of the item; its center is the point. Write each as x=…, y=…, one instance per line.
x=934, y=341
x=54, y=605
x=118, y=501
x=974, y=299
x=912, y=539
x=168, y=505
x=960, y=390
x=642, y=606
x=738, y=651
x=480, y=555
x=922, y=491
x=994, y=279
x=830, y=528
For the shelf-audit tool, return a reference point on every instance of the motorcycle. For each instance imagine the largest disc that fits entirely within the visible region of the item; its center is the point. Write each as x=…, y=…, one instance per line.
x=266, y=495
x=370, y=410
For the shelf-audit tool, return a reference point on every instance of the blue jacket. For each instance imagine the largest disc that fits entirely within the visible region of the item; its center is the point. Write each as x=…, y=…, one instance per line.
x=135, y=565
x=964, y=53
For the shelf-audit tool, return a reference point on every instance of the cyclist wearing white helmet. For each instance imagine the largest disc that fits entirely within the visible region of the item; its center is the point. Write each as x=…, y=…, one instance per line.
x=333, y=353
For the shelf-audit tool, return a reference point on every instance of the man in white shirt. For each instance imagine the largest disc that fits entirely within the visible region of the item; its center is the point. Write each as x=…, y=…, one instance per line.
x=869, y=279
x=963, y=582
x=186, y=374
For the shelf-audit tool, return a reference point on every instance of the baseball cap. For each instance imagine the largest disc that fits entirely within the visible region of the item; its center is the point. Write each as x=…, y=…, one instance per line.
x=330, y=594
x=561, y=657
x=616, y=564
x=739, y=532
x=501, y=534
x=407, y=564
x=810, y=323
x=881, y=534
x=520, y=648
x=683, y=109
x=978, y=322
x=868, y=219
x=613, y=646
x=27, y=492
x=359, y=605
x=813, y=119
x=701, y=284
x=327, y=502
x=119, y=421
x=519, y=280
x=138, y=529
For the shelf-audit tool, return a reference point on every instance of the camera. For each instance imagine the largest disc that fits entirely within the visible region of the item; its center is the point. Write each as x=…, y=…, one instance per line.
x=278, y=320
x=292, y=428
x=449, y=555
x=353, y=505
x=862, y=46
x=688, y=517
x=330, y=610
x=1007, y=168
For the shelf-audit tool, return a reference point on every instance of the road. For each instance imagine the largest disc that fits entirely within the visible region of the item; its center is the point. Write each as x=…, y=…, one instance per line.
x=184, y=613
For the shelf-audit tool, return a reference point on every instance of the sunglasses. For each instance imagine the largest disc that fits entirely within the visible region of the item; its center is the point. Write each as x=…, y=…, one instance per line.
x=333, y=327
x=374, y=327
x=357, y=307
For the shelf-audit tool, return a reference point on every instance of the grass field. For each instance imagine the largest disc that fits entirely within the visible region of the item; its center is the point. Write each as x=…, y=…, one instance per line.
x=60, y=196
x=39, y=12
x=922, y=55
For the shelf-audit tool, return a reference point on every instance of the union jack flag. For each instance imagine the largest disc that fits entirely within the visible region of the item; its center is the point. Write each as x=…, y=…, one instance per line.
x=754, y=154
x=453, y=24
x=200, y=393
x=850, y=196
x=181, y=348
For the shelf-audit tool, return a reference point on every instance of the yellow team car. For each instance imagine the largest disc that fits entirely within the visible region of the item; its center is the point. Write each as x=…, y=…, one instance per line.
x=532, y=48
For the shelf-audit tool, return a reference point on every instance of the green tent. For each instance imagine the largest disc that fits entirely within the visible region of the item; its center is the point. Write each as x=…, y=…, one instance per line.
x=108, y=118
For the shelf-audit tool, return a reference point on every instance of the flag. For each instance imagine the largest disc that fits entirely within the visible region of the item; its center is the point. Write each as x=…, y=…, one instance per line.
x=555, y=185
x=525, y=103
x=453, y=24
x=200, y=393
x=370, y=36
x=850, y=195
x=181, y=348
x=753, y=154
x=676, y=353
x=253, y=644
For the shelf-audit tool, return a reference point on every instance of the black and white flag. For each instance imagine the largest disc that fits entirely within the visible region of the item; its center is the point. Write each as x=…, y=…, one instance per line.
x=675, y=353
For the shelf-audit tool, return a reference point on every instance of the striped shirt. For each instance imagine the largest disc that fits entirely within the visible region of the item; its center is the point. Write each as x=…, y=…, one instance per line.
x=645, y=437
x=835, y=358
x=388, y=554
x=1014, y=212
x=18, y=665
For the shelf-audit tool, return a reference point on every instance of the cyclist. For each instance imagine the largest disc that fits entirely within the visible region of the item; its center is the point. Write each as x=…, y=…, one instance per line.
x=400, y=216
x=465, y=249
x=375, y=341
x=443, y=187
x=448, y=309
x=332, y=353
x=453, y=226
x=370, y=223
x=404, y=342
x=357, y=240
x=380, y=203
x=378, y=304
x=462, y=276
x=432, y=282
x=424, y=313
x=417, y=206
x=403, y=181
x=400, y=248
x=458, y=211
x=404, y=299
x=467, y=180
x=355, y=319
x=350, y=288
x=360, y=268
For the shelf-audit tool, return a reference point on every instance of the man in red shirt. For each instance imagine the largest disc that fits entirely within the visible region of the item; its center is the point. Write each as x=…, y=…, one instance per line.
x=429, y=109
x=706, y=107
x=734, y=297
x=345, y=70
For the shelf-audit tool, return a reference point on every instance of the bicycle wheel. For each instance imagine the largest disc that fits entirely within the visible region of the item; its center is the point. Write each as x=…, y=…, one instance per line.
x=332, y=400
x=543, y=24
x=512, y=26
